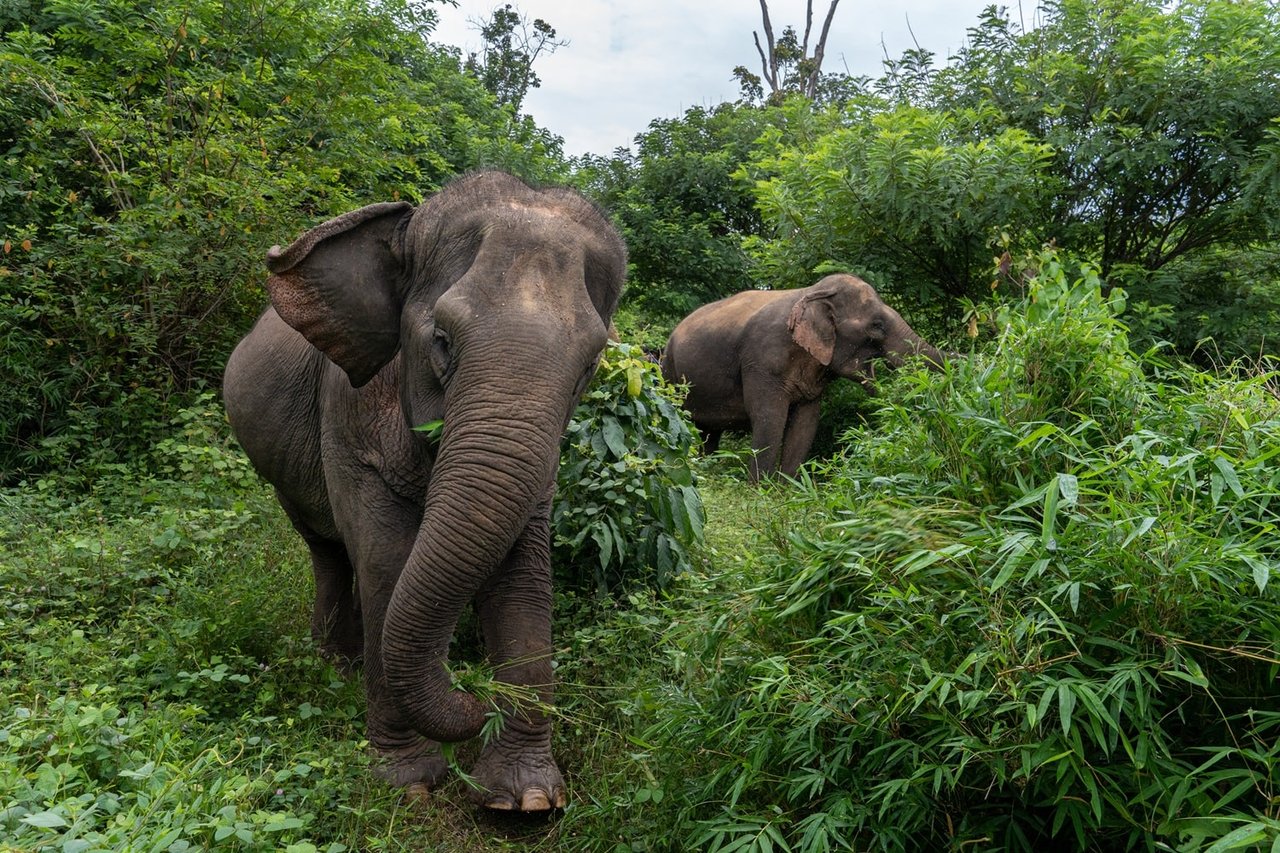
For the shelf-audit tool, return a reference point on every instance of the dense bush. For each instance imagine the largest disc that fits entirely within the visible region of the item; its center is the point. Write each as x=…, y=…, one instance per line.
x=910, y=198
x=626, y=510
x=149, y=156
x=1034, y=604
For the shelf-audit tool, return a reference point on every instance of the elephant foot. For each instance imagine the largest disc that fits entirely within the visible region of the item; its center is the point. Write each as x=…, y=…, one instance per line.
x=345, y=660
x=418, y=766
x=343, y=648
x=518, y=781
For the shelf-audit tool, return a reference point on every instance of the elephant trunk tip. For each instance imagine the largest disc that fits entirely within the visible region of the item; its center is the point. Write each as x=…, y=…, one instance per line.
x=461, y=717
x=450, y=715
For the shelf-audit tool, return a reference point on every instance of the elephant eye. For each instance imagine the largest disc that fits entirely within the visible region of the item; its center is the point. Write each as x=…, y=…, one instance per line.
x=441, y=356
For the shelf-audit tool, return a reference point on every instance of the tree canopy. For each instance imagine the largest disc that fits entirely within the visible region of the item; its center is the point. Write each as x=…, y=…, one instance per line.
x=1142, y=135
x=149, y=155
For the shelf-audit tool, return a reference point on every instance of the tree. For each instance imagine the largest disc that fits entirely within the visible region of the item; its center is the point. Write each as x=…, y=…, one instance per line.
x=149, y=156
x=1164, y=120
x=682, y=212
x=785, y=61
x=511, y=45
x=911, y=199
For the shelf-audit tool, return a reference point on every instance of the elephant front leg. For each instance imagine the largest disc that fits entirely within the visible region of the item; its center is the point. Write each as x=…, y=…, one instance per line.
x=400, y=755
x=516, y=769
x=802, y=426
x=768, y=422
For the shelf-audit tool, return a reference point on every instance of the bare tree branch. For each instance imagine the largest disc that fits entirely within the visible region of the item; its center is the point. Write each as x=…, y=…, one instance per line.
x=764, y=62
x=771, y=67
x=819, y=51
x=795, y=73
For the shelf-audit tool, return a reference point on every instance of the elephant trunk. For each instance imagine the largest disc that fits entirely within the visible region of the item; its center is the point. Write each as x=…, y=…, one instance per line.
x=496, y=463
x=903, y=342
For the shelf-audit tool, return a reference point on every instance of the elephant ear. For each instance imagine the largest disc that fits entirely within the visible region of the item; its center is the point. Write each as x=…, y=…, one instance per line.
x=812, y=324
x=338, y=285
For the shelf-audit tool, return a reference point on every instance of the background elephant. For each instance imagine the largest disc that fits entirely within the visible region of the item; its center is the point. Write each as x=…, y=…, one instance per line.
x=760, y=360
x=485, y=307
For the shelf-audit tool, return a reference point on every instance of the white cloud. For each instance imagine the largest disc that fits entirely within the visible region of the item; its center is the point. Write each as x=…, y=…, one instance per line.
x=632, y=61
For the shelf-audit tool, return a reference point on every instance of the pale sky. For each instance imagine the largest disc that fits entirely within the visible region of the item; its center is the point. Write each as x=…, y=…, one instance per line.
x=631, y=61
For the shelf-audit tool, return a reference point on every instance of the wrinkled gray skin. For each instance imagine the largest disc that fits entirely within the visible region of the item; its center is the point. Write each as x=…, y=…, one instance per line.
x=485, y=307
x=760, y=360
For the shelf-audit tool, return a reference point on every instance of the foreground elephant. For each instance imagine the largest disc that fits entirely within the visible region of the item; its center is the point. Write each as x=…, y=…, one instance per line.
x=760, y=360
x=485, y=307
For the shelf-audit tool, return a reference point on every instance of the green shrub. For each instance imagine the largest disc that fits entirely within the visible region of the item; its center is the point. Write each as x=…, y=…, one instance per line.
x=626, y=509
x=152, y=154
x=1042, y=611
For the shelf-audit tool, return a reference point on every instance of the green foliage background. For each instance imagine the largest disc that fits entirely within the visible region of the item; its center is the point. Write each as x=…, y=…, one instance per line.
x=1144, y=136
x=149, y=156
x=1027, y=603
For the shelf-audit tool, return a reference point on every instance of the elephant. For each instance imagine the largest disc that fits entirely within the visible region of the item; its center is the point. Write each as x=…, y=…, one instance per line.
x=760, y=360
x=481, y=313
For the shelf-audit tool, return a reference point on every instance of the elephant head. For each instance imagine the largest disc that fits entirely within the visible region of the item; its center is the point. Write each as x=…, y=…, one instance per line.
x=842, y=322
x=497, y=298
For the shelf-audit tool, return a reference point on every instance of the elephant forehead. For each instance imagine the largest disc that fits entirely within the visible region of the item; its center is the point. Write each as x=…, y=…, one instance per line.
x=531, y=285
x=546, y=225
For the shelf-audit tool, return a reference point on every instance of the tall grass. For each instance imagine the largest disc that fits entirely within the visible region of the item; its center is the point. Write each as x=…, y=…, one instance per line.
x=1041, y=609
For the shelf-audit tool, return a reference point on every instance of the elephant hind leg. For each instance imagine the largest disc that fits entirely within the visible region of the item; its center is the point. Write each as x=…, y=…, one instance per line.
x=802, y=426
x=710, y=441
x=336, y=623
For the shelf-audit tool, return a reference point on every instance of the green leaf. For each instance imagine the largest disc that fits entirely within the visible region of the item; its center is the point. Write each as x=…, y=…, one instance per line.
x=1261, y=571
x=614, y=436
x=46, y=820
x=1048, y=522
x=693, y=507
x=1229, y=475
x=603, y=537
x=1243, y=836
x=1002, y=577
x=1066, y=706
x=1069, y=489
x=432, y=430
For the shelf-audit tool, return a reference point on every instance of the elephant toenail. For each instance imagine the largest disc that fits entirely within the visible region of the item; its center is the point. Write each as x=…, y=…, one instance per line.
x=500, y=804
x=418, y=793
x=535, y=800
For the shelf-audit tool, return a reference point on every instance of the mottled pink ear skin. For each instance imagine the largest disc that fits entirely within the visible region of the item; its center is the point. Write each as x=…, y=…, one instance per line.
x=337, y=285
x=813, y=328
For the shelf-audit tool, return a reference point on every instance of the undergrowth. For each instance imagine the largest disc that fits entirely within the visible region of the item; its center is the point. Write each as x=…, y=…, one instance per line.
x=1031, y=604
x=1040, y=610
x=626, y=511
